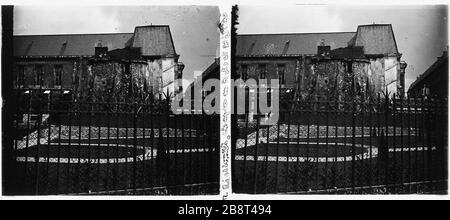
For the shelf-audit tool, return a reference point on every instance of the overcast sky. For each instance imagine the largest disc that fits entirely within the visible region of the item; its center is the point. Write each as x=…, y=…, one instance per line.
x=421, y=32
x=194, y=29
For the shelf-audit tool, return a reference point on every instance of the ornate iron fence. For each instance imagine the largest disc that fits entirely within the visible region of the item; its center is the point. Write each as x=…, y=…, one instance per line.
x=134, y=147
x=384, y=145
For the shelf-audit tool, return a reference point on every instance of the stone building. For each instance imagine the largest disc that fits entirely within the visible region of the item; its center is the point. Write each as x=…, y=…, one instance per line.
x=98, y=66
x=434, y=81
x=343, y=65
x=212, y=72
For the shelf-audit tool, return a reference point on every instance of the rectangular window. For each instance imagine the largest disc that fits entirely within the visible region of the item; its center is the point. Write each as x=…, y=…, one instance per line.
x=262, y=71
x=21, y=75
x=281, y=73
x=39, y=71
x=58, y=74
x=244, y=75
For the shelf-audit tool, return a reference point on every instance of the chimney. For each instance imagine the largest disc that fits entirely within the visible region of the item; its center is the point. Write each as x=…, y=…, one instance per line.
x=322, y=49
x=100, y=50
x=401, y=76
x=180, y=68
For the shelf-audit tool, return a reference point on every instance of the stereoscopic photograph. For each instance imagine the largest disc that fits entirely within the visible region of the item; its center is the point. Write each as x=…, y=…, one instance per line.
x=341, y=100
x=223, y=101
x=93, y=92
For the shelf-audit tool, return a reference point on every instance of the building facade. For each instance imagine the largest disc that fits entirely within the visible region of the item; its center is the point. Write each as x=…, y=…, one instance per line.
x=433, y=82
x=340, y=65
x=98, y=66
x=212, y=72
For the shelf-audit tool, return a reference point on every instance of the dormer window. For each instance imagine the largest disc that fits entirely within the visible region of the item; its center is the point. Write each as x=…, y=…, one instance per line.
x=286, y=47
x=63, y=48
x=100, y=50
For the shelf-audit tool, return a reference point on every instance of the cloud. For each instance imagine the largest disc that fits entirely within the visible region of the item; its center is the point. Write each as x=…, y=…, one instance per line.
x=63, y=20
x=421, y=31
x=288, y=19
x=194, y=28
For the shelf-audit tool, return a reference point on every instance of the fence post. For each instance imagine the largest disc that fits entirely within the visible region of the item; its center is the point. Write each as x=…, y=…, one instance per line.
x=49, y=127
x=383, y=151
x=134, y=145
x=429, y=134
x=166, y=109
x=353, y=144
x=9, y=102
x=38, y=145
x=385, y=143
x=394, y=172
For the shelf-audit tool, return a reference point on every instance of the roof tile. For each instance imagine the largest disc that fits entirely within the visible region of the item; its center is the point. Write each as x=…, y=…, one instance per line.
x=298, y=44
x=75, y=44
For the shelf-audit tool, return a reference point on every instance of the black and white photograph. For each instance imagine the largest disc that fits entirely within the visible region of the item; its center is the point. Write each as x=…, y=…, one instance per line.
x=358, y=94
x=93, y=94
x=223, y=101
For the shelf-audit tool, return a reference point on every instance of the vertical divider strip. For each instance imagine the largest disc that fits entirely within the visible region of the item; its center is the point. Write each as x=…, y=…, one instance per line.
x=225, y=102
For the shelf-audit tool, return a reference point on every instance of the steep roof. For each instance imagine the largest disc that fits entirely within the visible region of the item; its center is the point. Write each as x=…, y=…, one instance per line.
x=154, y=40
x=289, y=44
x=442, y=60
x=212, y=72
x=67, y=45
x=377, y=39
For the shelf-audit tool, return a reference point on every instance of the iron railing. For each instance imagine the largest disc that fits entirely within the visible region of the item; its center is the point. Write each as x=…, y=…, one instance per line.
x=114, y=147
x=383, y=145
